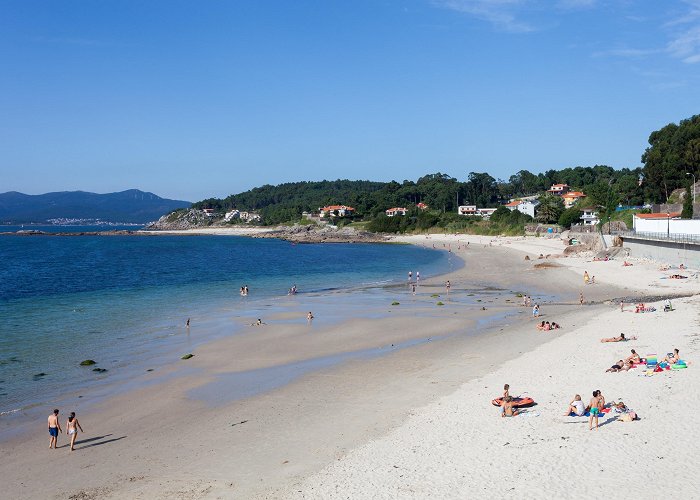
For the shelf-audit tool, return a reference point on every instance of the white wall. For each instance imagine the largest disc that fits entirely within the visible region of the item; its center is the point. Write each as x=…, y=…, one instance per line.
x=674, y=226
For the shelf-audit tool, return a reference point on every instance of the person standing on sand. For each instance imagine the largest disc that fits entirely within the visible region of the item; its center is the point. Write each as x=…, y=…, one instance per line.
x=187, y=324
x=54, y=429
x=586, y=278
x=413, y=288
x=447, y=287
x=536, y=311
x=580, y=298
x=72, y=427
x=595, y=410
x=309, y=317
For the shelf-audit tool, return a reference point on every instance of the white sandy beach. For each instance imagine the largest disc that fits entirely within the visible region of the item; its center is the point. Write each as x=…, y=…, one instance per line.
x=412, y=424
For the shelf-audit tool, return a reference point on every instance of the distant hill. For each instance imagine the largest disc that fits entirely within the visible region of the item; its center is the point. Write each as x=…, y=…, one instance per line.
x=132, y=206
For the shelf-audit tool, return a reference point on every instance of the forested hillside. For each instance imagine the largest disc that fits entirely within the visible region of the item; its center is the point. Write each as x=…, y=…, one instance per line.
x=673, y=152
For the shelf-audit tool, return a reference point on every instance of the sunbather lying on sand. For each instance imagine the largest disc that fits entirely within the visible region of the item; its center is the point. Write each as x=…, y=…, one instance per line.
x=621, y=338
x=677, y=277
x=620, y=366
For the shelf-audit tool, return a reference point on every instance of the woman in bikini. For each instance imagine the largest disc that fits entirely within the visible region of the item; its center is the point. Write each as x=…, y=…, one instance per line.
x=72, y=427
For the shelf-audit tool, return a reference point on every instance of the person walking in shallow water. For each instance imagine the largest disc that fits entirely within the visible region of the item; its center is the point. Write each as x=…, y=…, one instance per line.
x=54, y=429
x=72, y=427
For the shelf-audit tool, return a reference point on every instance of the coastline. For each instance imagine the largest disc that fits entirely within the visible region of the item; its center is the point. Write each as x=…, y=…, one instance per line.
x=301, y=420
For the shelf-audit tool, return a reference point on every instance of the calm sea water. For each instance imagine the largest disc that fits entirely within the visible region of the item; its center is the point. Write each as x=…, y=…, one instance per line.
x=123, y=300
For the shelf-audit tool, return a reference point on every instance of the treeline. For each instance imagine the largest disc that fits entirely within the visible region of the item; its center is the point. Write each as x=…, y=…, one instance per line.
x=674, y=151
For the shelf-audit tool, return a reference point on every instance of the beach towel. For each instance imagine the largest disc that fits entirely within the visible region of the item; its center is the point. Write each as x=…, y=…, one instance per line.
x=651, y=361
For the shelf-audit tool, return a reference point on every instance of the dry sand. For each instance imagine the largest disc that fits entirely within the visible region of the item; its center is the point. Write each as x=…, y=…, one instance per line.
x=413, y=423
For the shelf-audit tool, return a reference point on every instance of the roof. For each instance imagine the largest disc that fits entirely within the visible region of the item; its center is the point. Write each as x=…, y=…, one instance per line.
x=396, y=209
x=513, y=203
x=337, y=207
x=574, y=194
x=559, y=185
x=658, y=216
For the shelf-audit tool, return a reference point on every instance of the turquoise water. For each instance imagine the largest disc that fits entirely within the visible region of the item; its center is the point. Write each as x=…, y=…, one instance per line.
x=123, y=300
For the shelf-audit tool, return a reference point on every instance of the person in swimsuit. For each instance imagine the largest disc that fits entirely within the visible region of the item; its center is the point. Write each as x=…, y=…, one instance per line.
x=621, y=338
x=72, y=427
x=309, y=317
x=586, y=278
x=595, y=410
x=633, y=358
x=508, y=409
x=447, y=286
x=672, y=358
x=54, y=429
x=618, y=367
x=576, y=407
x=506, y=389
x=540, y=326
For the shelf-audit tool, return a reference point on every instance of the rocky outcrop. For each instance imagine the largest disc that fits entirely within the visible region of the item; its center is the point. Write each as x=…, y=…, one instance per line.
x=182, y=219
x=322, y=234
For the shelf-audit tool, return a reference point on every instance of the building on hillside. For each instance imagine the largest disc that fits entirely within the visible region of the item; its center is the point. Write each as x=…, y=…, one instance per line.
x=571, y=198
x=396, y=211
x=558, y=189
x=249, y=216
x=335, y=210
x=486, y=213
x=467, y=210
x=422, y=206
x=209, y=212
x=233, y=214
x=663, y=222
x=472, y=210
x=524, y=206
x=589, y=217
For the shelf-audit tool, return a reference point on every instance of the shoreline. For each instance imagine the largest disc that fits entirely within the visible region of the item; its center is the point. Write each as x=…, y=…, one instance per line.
x=341, y=388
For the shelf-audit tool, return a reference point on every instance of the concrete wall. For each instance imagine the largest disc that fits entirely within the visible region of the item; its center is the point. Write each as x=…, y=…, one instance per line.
x=676, y=226
x=665, y=252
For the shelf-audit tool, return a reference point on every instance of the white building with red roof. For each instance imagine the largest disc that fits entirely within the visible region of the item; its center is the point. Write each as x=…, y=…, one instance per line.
x=558, y=189
x=335, y=210
x=524, y=206
x=571, y=198
x=395, y=211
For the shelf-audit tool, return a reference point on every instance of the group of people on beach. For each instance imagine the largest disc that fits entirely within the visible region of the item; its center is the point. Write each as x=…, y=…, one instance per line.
x=72, y=426
x=546, y=326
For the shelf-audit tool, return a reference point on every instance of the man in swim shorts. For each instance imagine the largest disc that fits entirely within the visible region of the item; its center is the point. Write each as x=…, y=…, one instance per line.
x=594, y=411
x=54, y=429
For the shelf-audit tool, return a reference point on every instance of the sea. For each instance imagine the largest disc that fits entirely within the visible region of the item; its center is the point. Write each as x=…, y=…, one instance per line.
x=123, y=300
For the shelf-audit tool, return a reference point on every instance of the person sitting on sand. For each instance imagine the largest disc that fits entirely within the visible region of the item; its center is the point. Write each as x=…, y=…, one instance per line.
x=576, y=407
x=626, y=264
x=540, y=326
x=508, y=409
x=258, y=323
x=621, y=338
x=681, y=266
x=633, y=358
x=672, y=357
x=555, y=326
x=620, y=366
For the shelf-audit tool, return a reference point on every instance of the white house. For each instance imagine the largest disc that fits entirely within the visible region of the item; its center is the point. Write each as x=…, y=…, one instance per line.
x=665, y=223
x=209, y=212
x=524, y=206
x=486, y=213
x=467, y=210
x=589, y=217
x=333, y=210
x=558, y=189
x=233, y=214
x=396, y=211
x=249, y=216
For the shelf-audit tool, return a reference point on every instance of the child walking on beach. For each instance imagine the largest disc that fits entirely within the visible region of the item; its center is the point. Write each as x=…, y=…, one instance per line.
x=595, y=410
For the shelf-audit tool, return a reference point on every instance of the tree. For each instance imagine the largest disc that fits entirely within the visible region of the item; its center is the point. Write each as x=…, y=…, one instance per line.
x=550, y=208
x=687, y=212
x=570, y=216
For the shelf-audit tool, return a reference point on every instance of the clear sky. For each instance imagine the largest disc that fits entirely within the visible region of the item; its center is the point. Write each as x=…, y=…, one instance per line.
x=200, y=98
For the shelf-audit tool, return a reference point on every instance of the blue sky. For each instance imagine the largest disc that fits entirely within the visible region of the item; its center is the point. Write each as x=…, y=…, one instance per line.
x=191, y=99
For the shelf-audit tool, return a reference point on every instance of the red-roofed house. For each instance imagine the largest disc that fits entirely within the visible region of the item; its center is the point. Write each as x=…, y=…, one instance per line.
x=335, y=210
x=422, y=206
x=524, y=206
x=571, y=198
x=558, y=189
x=395, y=211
